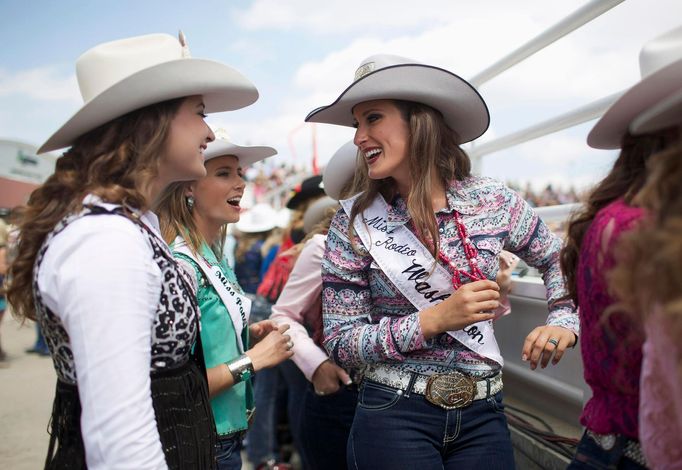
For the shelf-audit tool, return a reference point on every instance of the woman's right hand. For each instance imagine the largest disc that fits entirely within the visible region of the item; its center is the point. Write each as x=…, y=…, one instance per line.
x=271, y=350
x=328, y=377
x=469, y=304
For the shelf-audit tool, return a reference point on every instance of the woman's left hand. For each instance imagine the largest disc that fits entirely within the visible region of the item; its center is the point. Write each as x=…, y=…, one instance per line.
x=260, y=330
x=544, y=341
x=508, y=261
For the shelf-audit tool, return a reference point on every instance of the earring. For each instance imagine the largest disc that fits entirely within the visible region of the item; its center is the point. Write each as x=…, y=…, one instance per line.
x=190, y=202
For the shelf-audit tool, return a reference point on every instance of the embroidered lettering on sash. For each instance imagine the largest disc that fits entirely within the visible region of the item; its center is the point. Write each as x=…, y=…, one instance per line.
x=415, y=273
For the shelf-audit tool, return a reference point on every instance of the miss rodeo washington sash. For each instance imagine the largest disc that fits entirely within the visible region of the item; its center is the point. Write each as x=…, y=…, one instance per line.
x=237, y=305
x=407, y=263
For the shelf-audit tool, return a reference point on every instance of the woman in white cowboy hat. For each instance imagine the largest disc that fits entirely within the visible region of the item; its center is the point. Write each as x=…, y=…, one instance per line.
x=119, y=316
x=431, y=396
x=256, y=232
x=194, y=216
x=611, y=343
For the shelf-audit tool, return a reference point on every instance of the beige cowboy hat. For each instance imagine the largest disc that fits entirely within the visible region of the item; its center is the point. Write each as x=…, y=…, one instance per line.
x=650, y=104
x=340, y=170
x=260, y=218
x=385, y=76
x=317, y=212
x=246, y=155
x=128, y=74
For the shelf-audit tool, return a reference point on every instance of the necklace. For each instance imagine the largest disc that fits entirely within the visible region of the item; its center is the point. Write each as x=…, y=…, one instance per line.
x=470, y=252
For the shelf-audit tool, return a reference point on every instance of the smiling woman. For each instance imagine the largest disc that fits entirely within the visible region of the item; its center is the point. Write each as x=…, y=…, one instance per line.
x=194, y=216
x=118, y=314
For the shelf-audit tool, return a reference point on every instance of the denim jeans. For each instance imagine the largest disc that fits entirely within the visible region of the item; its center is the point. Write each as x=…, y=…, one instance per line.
x=325, y=426
x=228, y=455
x=590, y=456
x=393, y=430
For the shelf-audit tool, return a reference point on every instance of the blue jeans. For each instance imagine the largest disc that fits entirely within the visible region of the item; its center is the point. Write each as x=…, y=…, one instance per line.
x=262, y=437
x=325, y=425
x=394, y=430
x=590, y=456
x=228, y=455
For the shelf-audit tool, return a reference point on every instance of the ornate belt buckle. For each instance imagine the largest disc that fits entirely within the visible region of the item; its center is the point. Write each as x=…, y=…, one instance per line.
x=605, y=441
x=450, y=391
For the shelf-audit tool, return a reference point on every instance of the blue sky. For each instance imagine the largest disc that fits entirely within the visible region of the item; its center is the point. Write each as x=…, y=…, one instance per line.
x=302, y=53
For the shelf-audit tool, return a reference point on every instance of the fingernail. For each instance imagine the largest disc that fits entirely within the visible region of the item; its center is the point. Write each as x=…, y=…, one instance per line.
x=524, y=358
x=350, y=382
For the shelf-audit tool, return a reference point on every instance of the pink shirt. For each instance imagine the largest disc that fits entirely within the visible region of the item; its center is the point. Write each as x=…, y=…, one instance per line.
x=300, y=306
x=610, y=342
x=660, y=409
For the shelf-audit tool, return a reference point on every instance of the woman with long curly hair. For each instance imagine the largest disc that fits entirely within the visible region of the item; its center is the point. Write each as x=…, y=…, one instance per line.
x=119, y=316
x=647, y=281
x=611, y=342
x=408, y=274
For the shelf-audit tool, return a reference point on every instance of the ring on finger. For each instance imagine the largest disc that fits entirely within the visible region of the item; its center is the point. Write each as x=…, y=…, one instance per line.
x=290, y=344
x=554, y=341
x=319, y=393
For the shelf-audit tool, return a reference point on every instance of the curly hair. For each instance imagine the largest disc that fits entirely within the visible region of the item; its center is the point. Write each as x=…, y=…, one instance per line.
x=648, y=272
x=433, y=151
x=116, y=161
x=626, y=178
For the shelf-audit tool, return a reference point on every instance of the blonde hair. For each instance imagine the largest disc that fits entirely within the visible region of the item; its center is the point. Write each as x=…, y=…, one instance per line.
x=176, y=219
x=117, y=162
x=433, y=152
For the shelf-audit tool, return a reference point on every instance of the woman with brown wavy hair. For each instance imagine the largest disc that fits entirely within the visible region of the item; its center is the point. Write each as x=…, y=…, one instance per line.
x=648, y=283
x=611, y=343
x=408, y=293
x=119, y=316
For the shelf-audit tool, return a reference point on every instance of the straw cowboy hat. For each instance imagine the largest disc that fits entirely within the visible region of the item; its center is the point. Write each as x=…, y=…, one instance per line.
x=385, y=76
x=246, y=155
x=260, y=218
x=121, y=76
x=340, y=170
x=652, y=103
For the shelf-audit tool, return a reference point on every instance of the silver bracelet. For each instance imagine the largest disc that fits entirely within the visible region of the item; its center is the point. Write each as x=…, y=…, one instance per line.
x=241, y=368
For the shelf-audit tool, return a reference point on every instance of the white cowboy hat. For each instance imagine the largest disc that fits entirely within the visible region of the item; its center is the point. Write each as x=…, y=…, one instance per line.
x=316, y=212
x=340, y=169
x=260, y=218
x=660, y=64
x=385, y=76
x=246, y=155
x=121, y=76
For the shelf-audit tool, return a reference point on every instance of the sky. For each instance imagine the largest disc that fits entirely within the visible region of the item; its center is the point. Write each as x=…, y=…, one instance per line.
x=302, y=53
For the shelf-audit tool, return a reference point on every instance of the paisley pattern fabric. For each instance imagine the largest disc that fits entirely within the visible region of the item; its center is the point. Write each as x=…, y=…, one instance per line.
x=366, y=318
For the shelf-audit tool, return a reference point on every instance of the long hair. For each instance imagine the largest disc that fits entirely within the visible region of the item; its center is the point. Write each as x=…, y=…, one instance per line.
x=648, y=272
x=625, y=179
x=117, y=162
x=433, y=152
x=176, y=219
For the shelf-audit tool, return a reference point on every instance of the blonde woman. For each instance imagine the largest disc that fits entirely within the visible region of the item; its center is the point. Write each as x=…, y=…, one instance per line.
x=194, y=217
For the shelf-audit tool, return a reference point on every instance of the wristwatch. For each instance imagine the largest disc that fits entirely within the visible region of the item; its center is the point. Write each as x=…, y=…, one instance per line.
x=241, y=368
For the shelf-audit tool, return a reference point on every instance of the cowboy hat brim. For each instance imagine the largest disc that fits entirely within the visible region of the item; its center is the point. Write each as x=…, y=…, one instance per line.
x=665, y=114
x=222, y=87
x=462, y=107
x=608, y=132
x=247, y=155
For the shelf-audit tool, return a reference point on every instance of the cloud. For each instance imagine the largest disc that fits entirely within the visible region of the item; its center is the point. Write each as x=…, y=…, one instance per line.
x=42, y=83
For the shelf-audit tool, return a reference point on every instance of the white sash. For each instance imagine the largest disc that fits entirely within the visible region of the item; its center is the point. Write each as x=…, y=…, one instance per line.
x=407, y=263
x=237, y=305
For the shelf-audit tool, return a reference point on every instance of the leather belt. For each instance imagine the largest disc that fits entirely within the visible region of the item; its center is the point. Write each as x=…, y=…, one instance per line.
x=451, y=390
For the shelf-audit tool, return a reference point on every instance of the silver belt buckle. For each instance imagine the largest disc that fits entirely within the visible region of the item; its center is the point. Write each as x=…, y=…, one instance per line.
x=450, y=391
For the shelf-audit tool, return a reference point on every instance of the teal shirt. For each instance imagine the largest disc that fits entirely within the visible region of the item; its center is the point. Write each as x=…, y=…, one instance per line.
x=219, y=339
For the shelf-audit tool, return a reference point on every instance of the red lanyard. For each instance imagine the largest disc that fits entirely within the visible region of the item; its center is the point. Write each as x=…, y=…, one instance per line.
x=470, y=252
